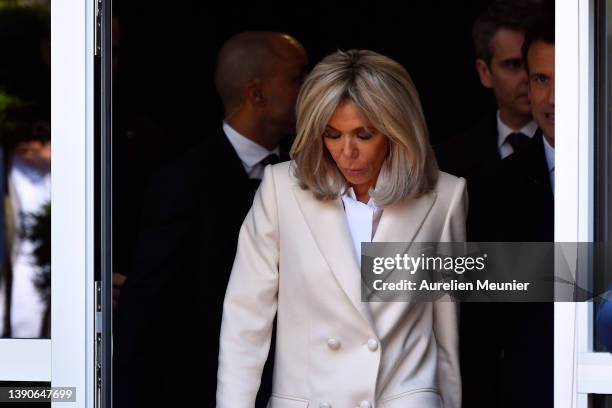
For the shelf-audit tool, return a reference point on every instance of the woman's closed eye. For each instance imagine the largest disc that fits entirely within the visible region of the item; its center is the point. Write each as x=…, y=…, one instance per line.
x=364, y=134
x=331, y=134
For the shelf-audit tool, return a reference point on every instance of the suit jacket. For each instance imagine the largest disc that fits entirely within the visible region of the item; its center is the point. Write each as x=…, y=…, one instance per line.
x=295, y=259
x=509, y=346
x=513, y=200
x=171, y=305
x=468, y=153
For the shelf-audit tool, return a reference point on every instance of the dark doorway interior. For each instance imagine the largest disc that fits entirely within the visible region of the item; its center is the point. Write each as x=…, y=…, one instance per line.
x=164, y=92
x=165, y=101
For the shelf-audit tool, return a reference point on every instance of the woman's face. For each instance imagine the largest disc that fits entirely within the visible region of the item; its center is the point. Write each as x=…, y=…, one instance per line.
x=358, y=149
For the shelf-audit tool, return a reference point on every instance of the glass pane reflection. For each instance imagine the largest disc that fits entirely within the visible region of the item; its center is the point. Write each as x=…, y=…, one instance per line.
x=25, y=170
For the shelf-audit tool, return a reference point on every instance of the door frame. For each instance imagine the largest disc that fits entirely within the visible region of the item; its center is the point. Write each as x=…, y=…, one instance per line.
x=72, y=225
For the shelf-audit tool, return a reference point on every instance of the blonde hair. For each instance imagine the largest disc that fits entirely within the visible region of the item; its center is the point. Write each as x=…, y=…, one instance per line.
x=383, y=91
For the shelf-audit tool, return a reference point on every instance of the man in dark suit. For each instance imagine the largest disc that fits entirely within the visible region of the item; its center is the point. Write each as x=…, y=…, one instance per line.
x=507, y=348
x=523, y=200
x=497, y=34
x=529, y=205
x=171, y=304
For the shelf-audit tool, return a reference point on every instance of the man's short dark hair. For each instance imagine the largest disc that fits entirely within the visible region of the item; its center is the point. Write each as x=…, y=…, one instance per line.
x=512, y=15
x=541, y=29
x=26, y=123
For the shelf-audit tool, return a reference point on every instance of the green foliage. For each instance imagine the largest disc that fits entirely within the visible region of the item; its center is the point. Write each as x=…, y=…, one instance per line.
x=38, y=230
x=6, y=101
x=24, y=39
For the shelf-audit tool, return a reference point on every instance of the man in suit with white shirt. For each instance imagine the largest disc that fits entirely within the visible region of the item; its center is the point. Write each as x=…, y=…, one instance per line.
x=522, y=203
x=514, y=202
x=497, y=34
x=539, y=52
x=171, y=305
x=496, y=157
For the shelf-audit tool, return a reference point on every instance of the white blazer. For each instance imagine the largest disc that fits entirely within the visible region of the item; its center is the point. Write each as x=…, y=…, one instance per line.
x=295, y=258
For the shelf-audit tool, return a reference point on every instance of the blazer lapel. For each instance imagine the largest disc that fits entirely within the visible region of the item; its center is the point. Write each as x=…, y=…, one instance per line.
x=400, y=223
x=538, y=167
x=327, y=222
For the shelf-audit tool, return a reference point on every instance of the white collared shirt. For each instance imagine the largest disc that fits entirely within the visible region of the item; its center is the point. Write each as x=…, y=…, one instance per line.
x=549, y=153
x=362, y=220
x=503, y=130
x=249, y=152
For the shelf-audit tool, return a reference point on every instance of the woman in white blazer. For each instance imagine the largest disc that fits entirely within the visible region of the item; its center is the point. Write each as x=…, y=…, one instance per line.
x=362, y=170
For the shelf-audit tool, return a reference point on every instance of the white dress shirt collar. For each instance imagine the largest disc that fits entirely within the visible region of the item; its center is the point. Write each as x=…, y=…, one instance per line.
x=362, y=218
x=350, y=194
x=249, y=152
x=503, y=130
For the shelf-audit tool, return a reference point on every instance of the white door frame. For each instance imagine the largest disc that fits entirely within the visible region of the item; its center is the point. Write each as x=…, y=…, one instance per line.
x=72, y=108
x=25, y=360
x=579, y=371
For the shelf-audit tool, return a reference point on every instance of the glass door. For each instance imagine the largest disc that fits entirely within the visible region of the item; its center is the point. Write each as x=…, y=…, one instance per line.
x=47, y=245
x=583, y=206
x=25, y=175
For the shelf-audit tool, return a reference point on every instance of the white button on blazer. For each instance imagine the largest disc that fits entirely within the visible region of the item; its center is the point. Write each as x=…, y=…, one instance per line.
x=333, y=344
x=295, y=259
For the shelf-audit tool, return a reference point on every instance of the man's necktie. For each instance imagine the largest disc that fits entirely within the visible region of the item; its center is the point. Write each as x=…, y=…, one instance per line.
x=269, y=159
x=517, y=141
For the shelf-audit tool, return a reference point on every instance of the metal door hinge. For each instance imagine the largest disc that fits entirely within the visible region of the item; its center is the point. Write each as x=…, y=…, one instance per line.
x=98, y=30
x=98, y=344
